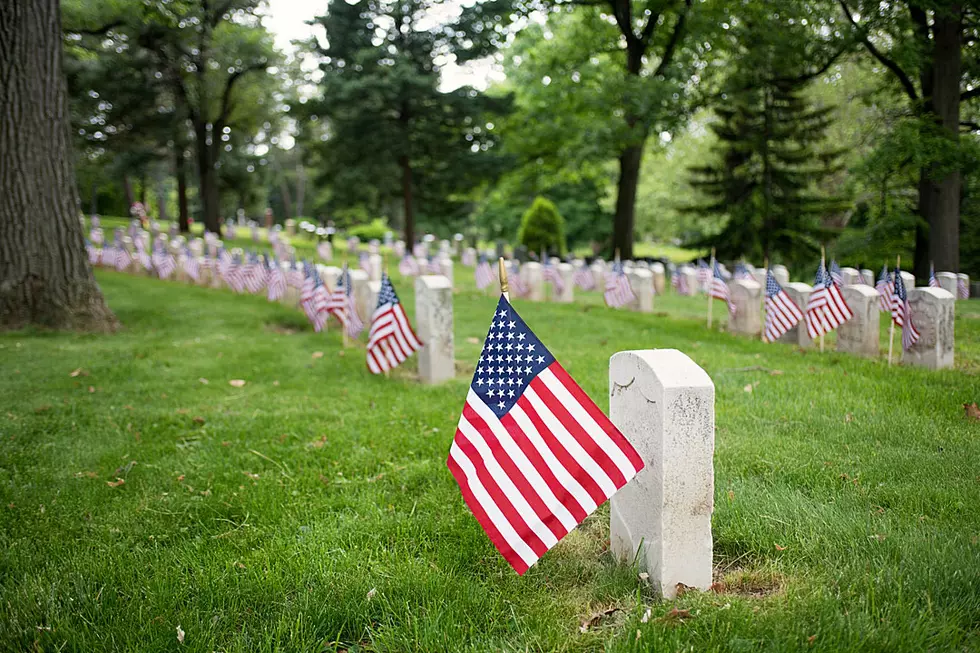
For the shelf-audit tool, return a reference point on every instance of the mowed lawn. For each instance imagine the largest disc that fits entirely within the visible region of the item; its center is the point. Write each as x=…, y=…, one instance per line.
x=145, y=500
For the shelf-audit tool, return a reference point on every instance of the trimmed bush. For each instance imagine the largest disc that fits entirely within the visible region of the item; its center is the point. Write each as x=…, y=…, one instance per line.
x=542, y=228
x=374, y=230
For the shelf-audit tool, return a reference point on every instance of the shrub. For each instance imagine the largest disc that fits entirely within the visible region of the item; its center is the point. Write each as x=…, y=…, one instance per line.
x=542, y=227
x=374, y=230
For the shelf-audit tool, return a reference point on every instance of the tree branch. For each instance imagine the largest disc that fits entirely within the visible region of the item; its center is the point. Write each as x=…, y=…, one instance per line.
x=624, y=21
x=97, y=31
x=805, y=77
x=885, y=61
x=969, y=95
x=675, y=39
x=226, y=96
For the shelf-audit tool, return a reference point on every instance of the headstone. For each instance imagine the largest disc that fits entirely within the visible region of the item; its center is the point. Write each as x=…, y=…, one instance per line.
x=659, y=278
x=567, y=295
x=376, y=264
x=533, y=279
x=290, y=227
x=197, y=247
x=598, y=269
x=747, y=298
x=373, y=290
x=446, y=266
x=909, y=279
x=641, y=281
x=933, y=312
x=434, y=326
x=800, y=294
x=663, y=403
x=947, y=281
x=520, y=253
x=965, y=280
x=781, y=274
x=759, y=275
x=868, y=276
x=851, y=276
x=362, y=299
x=690, y=278
x=859, y=335
x=444, y=246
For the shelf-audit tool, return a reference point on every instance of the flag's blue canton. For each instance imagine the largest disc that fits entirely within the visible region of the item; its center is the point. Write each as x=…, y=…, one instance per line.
x=512, y=356
x=717, y=272
x=343, y=281
x=900, y=286
x=822, y=278
x=772, y=286
x=387, y=293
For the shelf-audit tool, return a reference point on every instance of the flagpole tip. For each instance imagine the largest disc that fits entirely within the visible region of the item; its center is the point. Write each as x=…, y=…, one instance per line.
x=502, y=272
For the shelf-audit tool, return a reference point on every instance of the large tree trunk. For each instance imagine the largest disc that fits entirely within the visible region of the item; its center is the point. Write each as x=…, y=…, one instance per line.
x=45, y=278
x=944, y=223
x=300, y=189
x=207, y=178
x=629, y=179
x=128, y=192
x=407, y=201
x=180, y=171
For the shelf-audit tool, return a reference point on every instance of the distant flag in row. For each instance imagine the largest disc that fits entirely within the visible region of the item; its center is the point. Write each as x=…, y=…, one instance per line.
x=483, y=273
x=532, y=454
x=551, y=273
x=618, y=291
x=742, y=272
x=933, y=281
x=826, y=309
x=276, y=284
x=518, y=288
x=782, y=313
x=341, y=305
x=885, y=288
x=719, y=289
x=962, y=289
x=391, y=339
x=902, y=312
x=704, y=275
x=835, y=274
x=408, y=266
x=583, y=277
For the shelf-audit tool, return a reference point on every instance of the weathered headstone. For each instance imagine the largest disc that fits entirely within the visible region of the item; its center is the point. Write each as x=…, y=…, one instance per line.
x=290, y=227
x=373, y=290
x=663, y=403
x=446, y=266
x=933, y=312
x=759, y=276
x=434, y=322
x=376, y=263
x=868, y=276
x=567, y=294
x=947, y=281
x=859, y=335
x=781, y=274
x=747, y=299
x=641, y=281
x=359, y=285
x=909, y=279
x=690, y=276
x=659, y=278
x=851, y=276
x=598, y=269
x=800, y=294
x=533, y=278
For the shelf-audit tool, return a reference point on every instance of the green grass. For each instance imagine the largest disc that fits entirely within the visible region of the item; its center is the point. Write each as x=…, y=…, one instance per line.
x=311, y=509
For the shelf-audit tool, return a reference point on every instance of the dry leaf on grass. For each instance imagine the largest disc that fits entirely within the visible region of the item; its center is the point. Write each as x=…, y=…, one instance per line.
x=86, y=475
x=675, y=616
x=317, y=354
x=779, y=548
x=180, y=634
x=972, y=411
x=595, y=618
x=646, y=616
x=473, y=341
x=748, y=388
x=78, y=372
x=202, y=380
x=199, y=420
x=371, y=593
x=91, y=389
x=236, y=383
x=116, y=483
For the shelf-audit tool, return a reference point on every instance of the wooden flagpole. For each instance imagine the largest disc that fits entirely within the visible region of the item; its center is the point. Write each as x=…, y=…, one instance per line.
x=345, y=279
x=823, y=266
x=502, y=274
x=383, y=275
x=765, y=264
x=711, y=272
x=891, y=329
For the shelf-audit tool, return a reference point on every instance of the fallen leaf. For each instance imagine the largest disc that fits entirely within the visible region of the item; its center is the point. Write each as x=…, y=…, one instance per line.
x=180, y=634
x=371, y=593
x=644, y=575
x=595, y=618
x=779, y=548
x=318, y=444
x=252, y=476
x=180, y=478
x=646, y=616
x=182, y=411
x=848, y=418
x=473, y=341
x=78, y=372
x=116, y=483
x=341, y=353
x=682, y=589
x=775, y=372
x=43, y=408
x=275, y=383
x=717, y=588
x=199, y=420
x=731, y=495
x=202, y=380
x=748, y=388
x=317, y=354
x=91, y=389
x=226, y=443
x=972, y=411
x=811, y=639
x=236, y=383
x=675, y=616
x=86, y=475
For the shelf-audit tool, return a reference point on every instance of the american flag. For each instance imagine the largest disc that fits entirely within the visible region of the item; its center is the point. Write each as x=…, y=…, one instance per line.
x=235, y=275
x=835, y=274
x=704, y=275
x=163, y=261
x=399, y=249
x=276, y=280
x=584, y=278
x=230, y=231
x=144, y=256
x=432, y=266
x=94, y=256
x=341, y=305
x=902, y=312
x=933, y=281
x=123, y=258
x=782, y=313
x=408, y=266
x=296, y=275
x=826, y=309
x=364, y=262
x=391, y=339
x=514, y=281
x=719, y=289
x=483, y=273
x=532, y=454
x=419, y=250
x=96, y=236
x=254, y=274
x=742, y=272
x=323, y=250
x=618, y=291
x=108, y=257
x=352, y=244
x=468, y=258
x=962, y=288
x=550, y=272
x=307, y=297
x=192, y=267
x=885, y=289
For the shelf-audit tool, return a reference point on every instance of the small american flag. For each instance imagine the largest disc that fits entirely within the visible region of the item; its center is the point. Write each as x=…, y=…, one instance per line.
x=123, y=258
x=517, y=286
x=323, y=250
x=144, y=256
x=341, y=305
x=962, y=288
x=235, y=275
x=902, y=312
x=364, y=262
x=432, y=266
x=419, y=250
x=782, y=313
x=618, y=290
x=94, y=256
x=306, y=296
x=550, y=272
x=704, y=275
x=533, y=455
x=584, y=278
x=276, y=280
x=483, y=273
x=835, y=274
x=408, y=266
x=108, y=256
x=192, y=267
x=826, y=309
x=163, y=261
x=468, y=258
x=885, y=289
x=391, y=339
x=719, y=289
x=399, y=249
x=933, y=281
x=255, y=274
x=296, y=276
x=742, y=272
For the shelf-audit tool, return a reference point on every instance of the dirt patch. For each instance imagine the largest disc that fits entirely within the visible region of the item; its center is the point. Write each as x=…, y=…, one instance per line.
x=281, y=328
x=748, y=583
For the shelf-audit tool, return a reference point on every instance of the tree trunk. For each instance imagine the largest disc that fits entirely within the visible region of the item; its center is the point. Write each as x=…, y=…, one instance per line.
x=944, y=223
x=45, y=278
x=287, y=198
x=407, y=201
x=207, y=178
x=300, y=189
x=630, y=159
x=143, y=192
x=180, y=171
x=128, y=192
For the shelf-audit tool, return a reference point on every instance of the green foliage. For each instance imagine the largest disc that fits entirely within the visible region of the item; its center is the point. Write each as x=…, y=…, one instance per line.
x=542, y=228
x=374, y=230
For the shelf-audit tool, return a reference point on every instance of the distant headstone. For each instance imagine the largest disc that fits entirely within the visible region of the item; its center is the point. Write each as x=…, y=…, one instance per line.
x=759, y=275
x=868, y=277
x=376, y=263
x=641, y=281
x=859, y=335
x=933, y=312
x=446, y=266
x=909, y=279
x=851, y=276
x=781, y=274
x=690, y=276
x=598, y=269
x=747, y=299
x=567, y=295
x=947, y=281
x=659, y=278
x=533, y=278
x=359, y=287
x=373, y=290
x=290, y=227
x=800, y=294
x=434, y=325
x=663, y=403
x=520, y=253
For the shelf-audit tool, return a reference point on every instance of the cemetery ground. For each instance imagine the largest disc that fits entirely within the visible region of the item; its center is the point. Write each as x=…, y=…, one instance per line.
x=147, y=501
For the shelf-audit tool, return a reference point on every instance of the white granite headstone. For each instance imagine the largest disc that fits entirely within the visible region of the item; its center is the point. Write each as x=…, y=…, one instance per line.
x=434, y=316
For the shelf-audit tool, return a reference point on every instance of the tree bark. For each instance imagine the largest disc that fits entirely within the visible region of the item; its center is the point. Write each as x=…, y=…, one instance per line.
x=128, y=192
x=180, y=171
x=625, y=219
x=407, y=201
x=45, y=278
x=300, y=189
x=207, y=177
